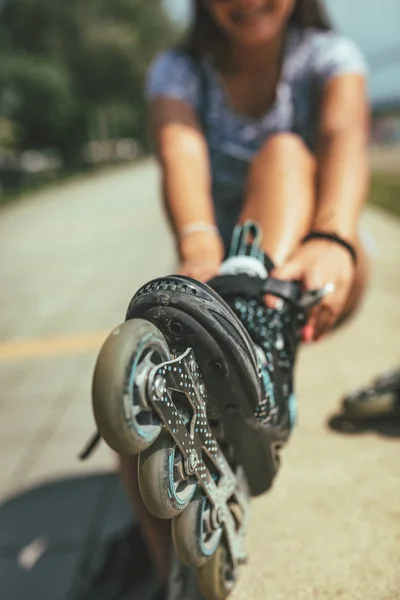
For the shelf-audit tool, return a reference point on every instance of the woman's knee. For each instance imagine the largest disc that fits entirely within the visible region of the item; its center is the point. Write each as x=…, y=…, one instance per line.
x=287, y=149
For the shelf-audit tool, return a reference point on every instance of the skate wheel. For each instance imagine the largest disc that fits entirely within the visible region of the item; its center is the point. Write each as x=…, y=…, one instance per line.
x=165, y=487
x=195, y=538
x=217, y=577
x=123, y=420
x=370, y=405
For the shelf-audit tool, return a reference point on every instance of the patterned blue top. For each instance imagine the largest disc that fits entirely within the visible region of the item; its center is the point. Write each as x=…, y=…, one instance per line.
x=311, y=58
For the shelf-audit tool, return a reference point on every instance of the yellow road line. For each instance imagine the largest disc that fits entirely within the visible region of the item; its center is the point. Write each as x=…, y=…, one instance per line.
x=40, y=347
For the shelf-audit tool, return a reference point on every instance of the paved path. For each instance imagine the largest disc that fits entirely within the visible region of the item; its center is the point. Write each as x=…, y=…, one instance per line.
x=71, y=257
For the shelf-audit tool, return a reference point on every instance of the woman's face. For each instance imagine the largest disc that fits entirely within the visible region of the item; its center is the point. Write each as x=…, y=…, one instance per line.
x=251, y=22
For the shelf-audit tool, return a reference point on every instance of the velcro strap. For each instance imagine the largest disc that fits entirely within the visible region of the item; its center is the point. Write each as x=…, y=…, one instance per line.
x=287, y=290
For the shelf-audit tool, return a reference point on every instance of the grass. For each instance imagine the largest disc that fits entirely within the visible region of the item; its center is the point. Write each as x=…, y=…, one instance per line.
x=385, y=193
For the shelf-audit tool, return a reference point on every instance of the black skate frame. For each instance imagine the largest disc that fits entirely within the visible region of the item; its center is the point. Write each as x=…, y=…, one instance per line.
x=197, y=443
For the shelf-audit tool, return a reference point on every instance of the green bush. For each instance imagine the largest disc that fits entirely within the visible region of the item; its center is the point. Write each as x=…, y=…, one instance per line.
x=385, y=193
x=74, y=71
x=37, y=96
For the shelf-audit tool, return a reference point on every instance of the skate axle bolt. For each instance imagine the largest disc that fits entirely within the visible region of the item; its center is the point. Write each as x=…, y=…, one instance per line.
x=216, y=366
x=159, y=386
x=176, y=327
x=217, y=517
x=193, y=366
x=202, y=388
x=193, y=460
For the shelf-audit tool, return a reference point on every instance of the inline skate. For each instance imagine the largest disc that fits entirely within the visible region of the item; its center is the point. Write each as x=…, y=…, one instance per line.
x=380, y=398
x=198, y=382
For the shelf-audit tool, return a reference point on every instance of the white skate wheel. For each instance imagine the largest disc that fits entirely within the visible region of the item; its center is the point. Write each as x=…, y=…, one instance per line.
x=194, y=535
x=122, y=420
x=165, y=487
x=217, y=578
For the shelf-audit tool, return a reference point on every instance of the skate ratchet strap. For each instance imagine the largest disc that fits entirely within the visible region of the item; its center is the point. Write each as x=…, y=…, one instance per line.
x=287, y=290
x=229, y=286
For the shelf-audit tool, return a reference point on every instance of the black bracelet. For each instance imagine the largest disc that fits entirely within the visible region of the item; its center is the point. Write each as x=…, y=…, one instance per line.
x=333, y=237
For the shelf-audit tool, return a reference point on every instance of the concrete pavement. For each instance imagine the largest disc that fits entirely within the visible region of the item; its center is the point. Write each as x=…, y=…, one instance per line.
x=72, y=256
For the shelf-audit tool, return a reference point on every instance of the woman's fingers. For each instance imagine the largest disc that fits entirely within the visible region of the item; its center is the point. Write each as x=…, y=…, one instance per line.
x=324, y=316
x=324, y=321
x=308, y=333
x=288, y=272
x=314, y=274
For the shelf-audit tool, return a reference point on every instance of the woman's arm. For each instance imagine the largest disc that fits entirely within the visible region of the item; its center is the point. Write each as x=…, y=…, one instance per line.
x=182, y=152
x=342, y=169
x=342, y=156
x=183, y=155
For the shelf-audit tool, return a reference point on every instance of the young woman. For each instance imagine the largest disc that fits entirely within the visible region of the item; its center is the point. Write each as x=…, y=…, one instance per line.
x=262, y=116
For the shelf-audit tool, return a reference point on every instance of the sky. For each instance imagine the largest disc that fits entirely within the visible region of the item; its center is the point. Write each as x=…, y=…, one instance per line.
x=373, y=24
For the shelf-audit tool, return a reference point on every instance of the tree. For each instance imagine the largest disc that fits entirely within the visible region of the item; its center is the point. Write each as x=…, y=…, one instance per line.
x=37, y=96
x=76, y=71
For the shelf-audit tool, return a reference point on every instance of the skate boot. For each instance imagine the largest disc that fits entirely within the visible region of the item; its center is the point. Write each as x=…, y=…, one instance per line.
x=381, y=398
x=243, y=282
x=201, y=389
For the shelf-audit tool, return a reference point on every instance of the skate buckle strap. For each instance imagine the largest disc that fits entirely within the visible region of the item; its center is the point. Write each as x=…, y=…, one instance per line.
x=254, y=287
x=286, y=290
x=230, y=286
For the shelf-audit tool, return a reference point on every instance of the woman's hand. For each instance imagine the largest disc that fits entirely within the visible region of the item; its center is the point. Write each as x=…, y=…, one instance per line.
x=315, y=264
x=201, y=255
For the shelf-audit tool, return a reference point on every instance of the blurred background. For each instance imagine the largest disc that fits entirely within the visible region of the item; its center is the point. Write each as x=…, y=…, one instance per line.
x=81, y=227
x=71, y=81
x=71, y=84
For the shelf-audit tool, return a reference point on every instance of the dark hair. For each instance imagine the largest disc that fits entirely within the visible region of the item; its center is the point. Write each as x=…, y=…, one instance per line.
x=204, y=31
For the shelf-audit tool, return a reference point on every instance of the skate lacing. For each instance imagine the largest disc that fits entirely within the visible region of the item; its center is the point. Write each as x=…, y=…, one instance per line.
x=274, y=337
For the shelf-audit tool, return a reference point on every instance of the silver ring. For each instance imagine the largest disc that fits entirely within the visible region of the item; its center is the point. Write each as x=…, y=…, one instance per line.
x=328, y=288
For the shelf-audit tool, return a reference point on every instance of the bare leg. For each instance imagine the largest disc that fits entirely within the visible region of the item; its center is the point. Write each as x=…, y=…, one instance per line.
x=281, y=194
x=281, y=197
x=155, y=531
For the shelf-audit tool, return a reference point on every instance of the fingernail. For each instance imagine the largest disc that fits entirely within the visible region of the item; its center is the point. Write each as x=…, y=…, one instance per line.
x=308, y=333
x=269, y=302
